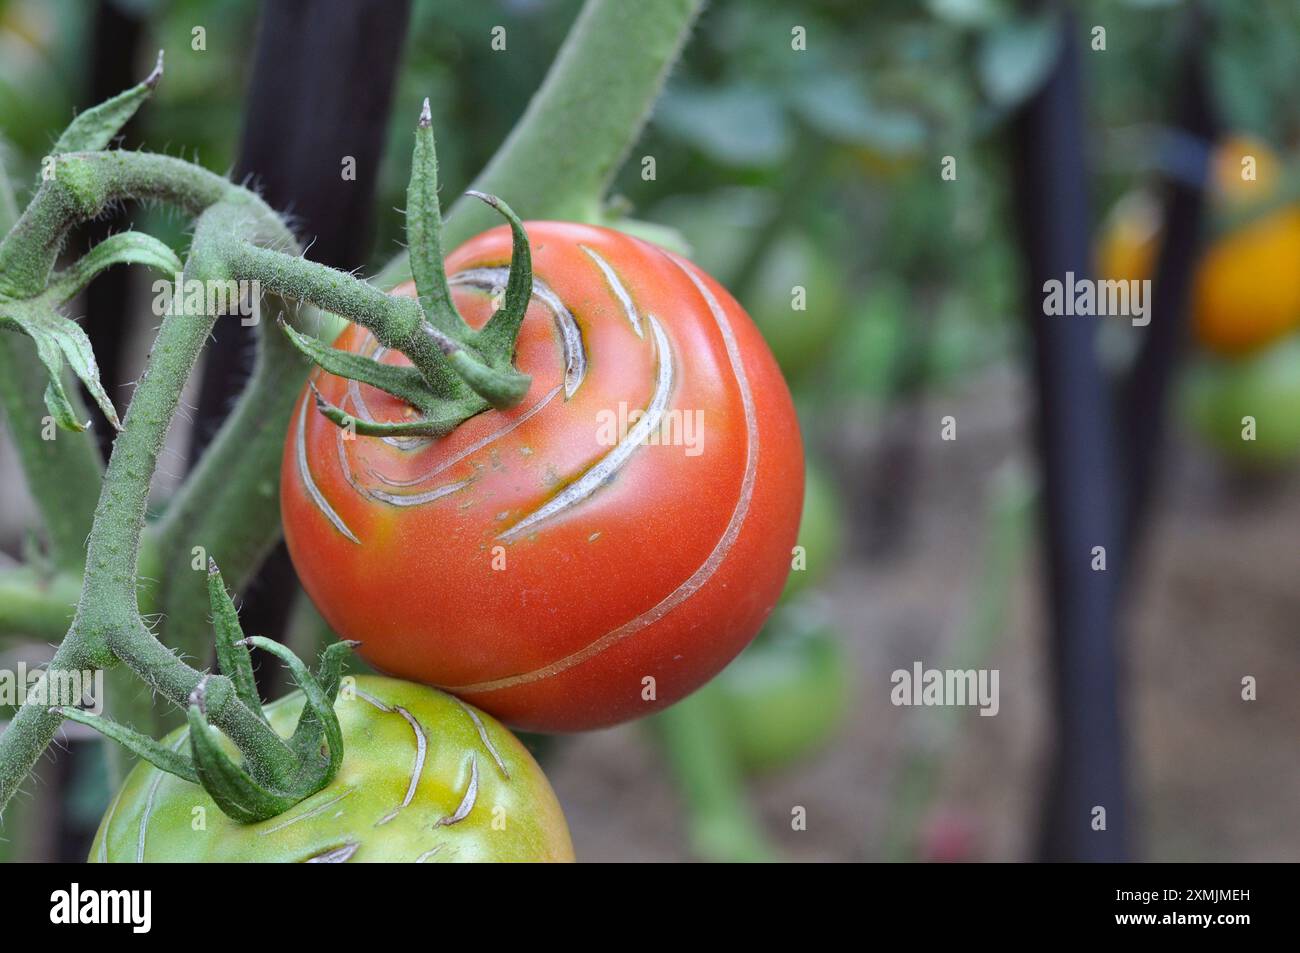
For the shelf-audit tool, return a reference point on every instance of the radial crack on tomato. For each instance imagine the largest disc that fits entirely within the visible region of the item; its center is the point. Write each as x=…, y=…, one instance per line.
x=469, y=799
x=421, y=749
x=309, y=813
x=620, y=292
x=335, y=855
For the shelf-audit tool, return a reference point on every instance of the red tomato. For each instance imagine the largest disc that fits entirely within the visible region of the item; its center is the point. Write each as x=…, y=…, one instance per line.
x=540, y=561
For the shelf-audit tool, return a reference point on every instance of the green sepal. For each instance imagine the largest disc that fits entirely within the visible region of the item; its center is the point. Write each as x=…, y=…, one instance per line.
x=234, y=659
x=330, y=671
x=143, y=746
x=499, y=386
x=228, y=784
x=424, y=427
x=404, y=383
x=95, y=128
x=501, y=331
x=318, y=721
x=424, y=234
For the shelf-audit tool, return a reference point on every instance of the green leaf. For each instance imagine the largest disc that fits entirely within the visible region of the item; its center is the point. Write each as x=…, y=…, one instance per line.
x=124, y=248
x=739, y=125
x=95, y=128
x=143, y=746
x=841, y=110
x=58, y=339
x=965, y=13
x=1015, y=57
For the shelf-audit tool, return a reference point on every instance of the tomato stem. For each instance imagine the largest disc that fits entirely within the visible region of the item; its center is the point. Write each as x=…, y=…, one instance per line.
x=558, y=161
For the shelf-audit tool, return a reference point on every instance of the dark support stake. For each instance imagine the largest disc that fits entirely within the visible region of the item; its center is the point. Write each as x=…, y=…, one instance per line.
x=114, y=64
x=1077, y=443
x=296, y=157
x=1146, y=392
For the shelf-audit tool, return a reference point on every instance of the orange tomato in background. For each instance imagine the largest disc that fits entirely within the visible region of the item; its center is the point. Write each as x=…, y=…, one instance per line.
x=1246, y=292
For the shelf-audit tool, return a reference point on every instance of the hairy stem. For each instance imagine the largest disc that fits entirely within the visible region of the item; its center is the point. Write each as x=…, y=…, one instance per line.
x=230, y=504
x=83, y=187
x=598, y=92
x=107, y=624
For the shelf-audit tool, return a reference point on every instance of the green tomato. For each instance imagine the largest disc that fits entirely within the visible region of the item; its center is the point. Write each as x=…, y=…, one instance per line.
x=1219, y=393
x=821, y=531
x=787, y=694
x=425, y=778
x=865, y=361
x=720, y=226
x=798, y=331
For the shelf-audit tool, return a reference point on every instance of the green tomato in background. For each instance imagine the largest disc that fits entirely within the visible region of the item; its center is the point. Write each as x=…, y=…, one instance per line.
x=821, y=530
x=786, y=695
x=425, y=778
x=722, y=227
x=1219, y=393
x=797, y=301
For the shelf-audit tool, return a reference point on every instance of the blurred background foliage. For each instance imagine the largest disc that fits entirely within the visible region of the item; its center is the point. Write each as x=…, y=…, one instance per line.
x=819, y=166
x=780, y=172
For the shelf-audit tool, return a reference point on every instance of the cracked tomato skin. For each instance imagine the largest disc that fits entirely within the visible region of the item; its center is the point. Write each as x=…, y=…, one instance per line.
x=540, y=561
x=471, y=773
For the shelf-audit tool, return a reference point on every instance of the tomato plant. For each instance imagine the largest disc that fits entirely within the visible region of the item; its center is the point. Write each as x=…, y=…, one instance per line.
x=558, y=562
x=424, y=778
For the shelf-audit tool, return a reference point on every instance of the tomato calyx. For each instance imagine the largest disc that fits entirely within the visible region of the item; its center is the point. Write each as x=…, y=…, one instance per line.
x=457, y=371
x=271, y=778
